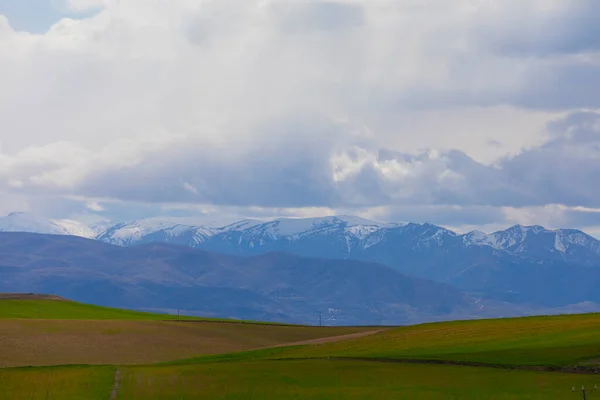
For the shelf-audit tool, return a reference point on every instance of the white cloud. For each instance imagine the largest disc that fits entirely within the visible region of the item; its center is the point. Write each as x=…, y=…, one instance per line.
x=95, y=206
x=85, y=5
x=291, y=105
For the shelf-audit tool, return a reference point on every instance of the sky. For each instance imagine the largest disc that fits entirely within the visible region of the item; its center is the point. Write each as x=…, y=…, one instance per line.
x=463, y=113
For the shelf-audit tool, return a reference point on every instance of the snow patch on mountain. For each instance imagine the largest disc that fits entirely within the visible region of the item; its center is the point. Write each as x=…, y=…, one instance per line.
x=132, y=232
x=478, y=238
x=240, y=225
x=298, y=227
x=25, y=222
x=75, y=228
x=361, y=231
x=515, y=236
x=558, y=244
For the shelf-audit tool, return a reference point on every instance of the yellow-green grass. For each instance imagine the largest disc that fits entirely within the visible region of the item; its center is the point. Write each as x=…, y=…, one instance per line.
x=298, y=379
x=385, y=365
x=534, y=341
x=339, y=379
x=60, y=309
x=66, y=383
x=25, y=342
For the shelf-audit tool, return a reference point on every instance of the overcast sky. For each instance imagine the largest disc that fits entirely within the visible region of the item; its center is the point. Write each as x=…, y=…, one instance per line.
x=463, y=113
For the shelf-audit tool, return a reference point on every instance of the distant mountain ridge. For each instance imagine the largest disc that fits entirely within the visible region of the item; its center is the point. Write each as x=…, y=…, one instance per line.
x=271, y=287
x=526, y=265
x=358, y=233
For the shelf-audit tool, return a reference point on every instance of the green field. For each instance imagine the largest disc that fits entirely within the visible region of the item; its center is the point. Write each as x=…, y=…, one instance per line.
x=76, y=383
x=541, y=341
x=304, y=379
x=524, y=358
x=336, y=379
x=59, y=309
x=73, y=333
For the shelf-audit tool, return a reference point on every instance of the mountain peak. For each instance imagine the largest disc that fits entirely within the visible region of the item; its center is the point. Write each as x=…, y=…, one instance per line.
x=526, y=228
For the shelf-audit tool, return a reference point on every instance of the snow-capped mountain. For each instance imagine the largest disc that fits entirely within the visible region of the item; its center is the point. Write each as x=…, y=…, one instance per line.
x=25, y=222
x=245, y=233
x=273, y=287
x=538, y=242
x=521, y=264
x=332, y=237
x=155, y=230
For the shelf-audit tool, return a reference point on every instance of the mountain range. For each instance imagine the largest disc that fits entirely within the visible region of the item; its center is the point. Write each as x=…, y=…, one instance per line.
x=272, y=287
x=529, y=267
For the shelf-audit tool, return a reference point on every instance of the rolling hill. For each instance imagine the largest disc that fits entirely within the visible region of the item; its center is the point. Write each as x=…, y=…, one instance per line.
x=523, y=358
x=272, y=287
x=44, y=330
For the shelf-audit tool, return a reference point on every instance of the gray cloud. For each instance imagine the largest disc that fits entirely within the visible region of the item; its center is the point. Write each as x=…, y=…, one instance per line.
x=290, y=172
x=563, y=170
x=307, y=104
x=565, y=85
x=448, y=216
x=560, y=28
x=318, y=16
x=310, y=168
x=580, y=218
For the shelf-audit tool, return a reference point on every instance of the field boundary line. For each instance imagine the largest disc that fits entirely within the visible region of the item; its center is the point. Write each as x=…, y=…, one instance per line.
x=571, y=369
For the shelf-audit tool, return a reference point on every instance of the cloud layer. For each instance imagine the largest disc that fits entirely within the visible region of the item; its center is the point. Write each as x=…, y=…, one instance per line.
x=471, y=113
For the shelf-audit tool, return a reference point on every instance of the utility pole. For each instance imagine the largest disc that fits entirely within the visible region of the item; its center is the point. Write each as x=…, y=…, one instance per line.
x=178, y=315
x=320, y=318
x=583, y=391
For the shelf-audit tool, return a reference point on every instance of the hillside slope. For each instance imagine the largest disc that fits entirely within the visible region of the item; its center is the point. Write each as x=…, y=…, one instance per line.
x=55, y=332
x=525, y=265
x=549, y=341
x=272, y=287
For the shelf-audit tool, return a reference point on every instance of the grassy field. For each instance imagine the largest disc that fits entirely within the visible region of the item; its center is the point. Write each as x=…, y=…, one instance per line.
x=303, y=379
x=73, y=333
x=55, y=342
x=545, y=341
x=336, y=379
x=60, y=309
x=57, y=383
x=261, y=361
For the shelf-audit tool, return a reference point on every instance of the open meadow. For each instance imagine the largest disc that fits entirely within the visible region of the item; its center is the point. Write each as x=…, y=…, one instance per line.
x=523, y=358
x=299, y=379
x=73, y=333
x=554, y=341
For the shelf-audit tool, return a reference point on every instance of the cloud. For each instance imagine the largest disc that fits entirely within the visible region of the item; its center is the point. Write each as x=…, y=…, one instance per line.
x=289, y=172
x=315, y=164
x=540, y=28
x=314, y=105
x=95, y=206
x=564, y=169
x=85, y=5
x=300, y=17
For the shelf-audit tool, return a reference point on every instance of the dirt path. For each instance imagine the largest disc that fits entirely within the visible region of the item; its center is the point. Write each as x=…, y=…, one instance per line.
x=115, y=390
x=330, y=339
